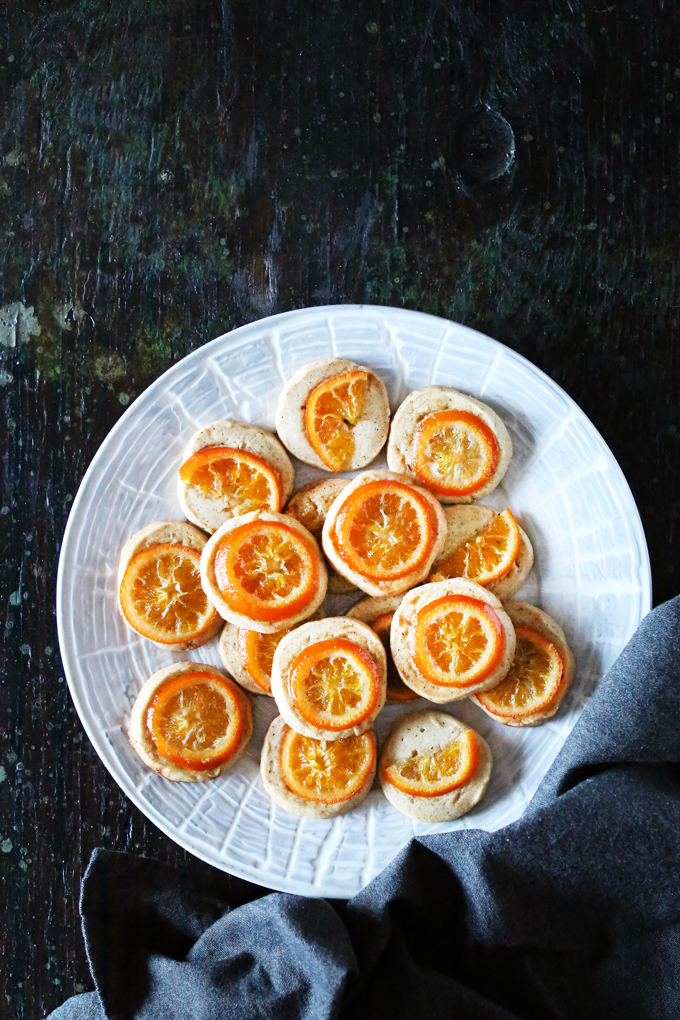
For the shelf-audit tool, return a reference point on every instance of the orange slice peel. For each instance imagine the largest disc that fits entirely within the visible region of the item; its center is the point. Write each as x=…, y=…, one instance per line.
x=533, y=681
x=334, y=685
x=488, y=556
x=327, y=771
x=456, y=641
x=454, y=452
x=240, y=480
x=196, y=721
x=437, y=772
x=333, y=408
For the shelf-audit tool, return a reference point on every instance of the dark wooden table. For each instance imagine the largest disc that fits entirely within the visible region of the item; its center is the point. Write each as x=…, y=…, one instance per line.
x=170, y=170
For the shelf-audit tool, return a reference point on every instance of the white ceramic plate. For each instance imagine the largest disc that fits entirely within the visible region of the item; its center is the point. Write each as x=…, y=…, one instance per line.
x=591, y=573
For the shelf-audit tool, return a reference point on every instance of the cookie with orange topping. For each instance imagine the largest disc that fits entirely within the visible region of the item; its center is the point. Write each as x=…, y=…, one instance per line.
x=334, y=414
x=433, y=767
x=378, y=613
x=454, y=444
x=317, y=778
x=231, y=468
x=310, y=506
x=451, y=639
x=248, y=655
x=383, y=532
x=190, y=723
x=329, y=678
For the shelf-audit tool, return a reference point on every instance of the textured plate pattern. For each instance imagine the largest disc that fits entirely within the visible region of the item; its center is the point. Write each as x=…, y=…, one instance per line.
x=592, y=574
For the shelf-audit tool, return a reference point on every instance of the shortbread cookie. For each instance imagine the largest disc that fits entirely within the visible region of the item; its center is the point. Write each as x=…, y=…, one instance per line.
x=454, y=444
x=378, y=614
x=338, y=426
x=309, y=506
x=422, y=753
x=213, y=492
x=248, y=655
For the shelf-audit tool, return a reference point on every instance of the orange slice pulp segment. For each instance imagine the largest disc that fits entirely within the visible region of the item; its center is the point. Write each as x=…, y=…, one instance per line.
x=454, y=452
x=238, y=480
x=456, y=641
x=265, y=570
x=334, y=684
x=533, y=681
x=327, y=771
x=196, y=721
x=437, y=772
x=333, y=408
x=397, y=691
x=385, y=530
x=257, y=654
x=161, y=595
x=488, y=556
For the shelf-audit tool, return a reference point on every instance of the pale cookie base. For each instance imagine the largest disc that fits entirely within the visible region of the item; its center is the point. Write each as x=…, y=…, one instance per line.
x=414, y=601
x=312, y=503
x=239, y=619
x=274, y=784
x=309, y=634
x=464, y=522
x=369, y=433
x=428, y=400
x=421, y=732
x=230, y=654
x=378, y=588
x=141, y=740
x=166, y=533
x=208, y=513
x=523, y=614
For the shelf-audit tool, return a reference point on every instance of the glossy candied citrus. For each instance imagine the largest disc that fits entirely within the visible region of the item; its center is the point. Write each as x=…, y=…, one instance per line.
x=196, y=721
x=454, y=452
x=488, y=556
x=397, y=691
x=266, y=570
x=237, y=480
x=434, y=773
x=326, y=771
x=257, y=655
x=334, y=684
x=161, y=595
x=532, y=682
x=385, y=530
x=333, y=408
x=456, y=641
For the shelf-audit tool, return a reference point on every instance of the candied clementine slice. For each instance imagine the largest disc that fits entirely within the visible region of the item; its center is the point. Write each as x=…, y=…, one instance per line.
x=435, y=773
x=257, y=655
x=488, y=556
x=196, y=721
x=333, y=408
x=456, y=641
x=397, y=691
x=265, y=570
x=239, y=481
x=454, y=452
x=334, y=684
x=161, y=595
x=533, y=681
x=326, y=771
x=385, y=530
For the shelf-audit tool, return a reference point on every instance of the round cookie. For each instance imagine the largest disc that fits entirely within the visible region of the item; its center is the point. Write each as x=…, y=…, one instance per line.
x=140, y=737
x=369, y=610
x=229, y=647
x=206, y=512
x=429, y=400
x=309, y=506
x=414, y=601
x=166, y=533
x=380, y=588
x=369, y=433
x=523, y=614
x=421, y=732
x=280, y=793
x=309, y=634
x=465, y=521
x=239, y=619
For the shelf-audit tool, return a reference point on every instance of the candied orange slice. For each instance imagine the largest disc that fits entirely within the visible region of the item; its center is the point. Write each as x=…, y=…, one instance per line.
x=456, y=641
x=238, y=480
x=326, y=771
x=257, y=655
x=334, y=684
x=488, y=556
x=161, y=595
x=397, y=691
x=385, y=530
x=435, y=773
x=196, y=721
x=333, y=409
x=533, y=681
x=454, y=452
x=265, y=570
